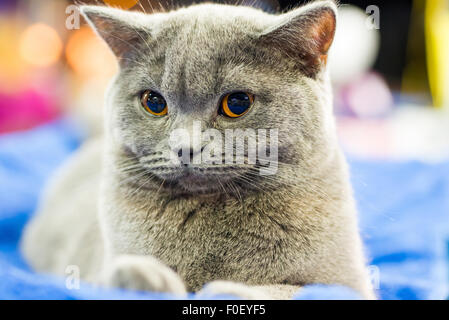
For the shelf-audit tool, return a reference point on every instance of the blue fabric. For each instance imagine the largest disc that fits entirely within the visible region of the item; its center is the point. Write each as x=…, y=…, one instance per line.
x=404, y=219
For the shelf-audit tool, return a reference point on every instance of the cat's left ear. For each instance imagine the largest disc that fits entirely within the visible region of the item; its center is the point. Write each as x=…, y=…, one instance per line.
x=305, y=34
x=123, y=31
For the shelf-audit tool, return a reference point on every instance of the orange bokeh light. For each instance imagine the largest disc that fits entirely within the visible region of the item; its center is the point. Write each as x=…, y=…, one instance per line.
x=122, y=4
x=12, y=68
x=88, y=55
x=40, y=45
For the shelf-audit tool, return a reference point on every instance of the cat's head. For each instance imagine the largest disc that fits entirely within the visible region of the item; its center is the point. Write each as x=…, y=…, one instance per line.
x=210, y=69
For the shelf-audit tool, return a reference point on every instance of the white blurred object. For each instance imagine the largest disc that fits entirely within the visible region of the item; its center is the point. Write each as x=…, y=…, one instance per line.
x=420, y=133
x=355, y=47
x=411, y=133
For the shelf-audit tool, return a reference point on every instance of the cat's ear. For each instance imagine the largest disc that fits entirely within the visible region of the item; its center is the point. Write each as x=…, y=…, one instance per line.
x=305, y=34
x=123, y=31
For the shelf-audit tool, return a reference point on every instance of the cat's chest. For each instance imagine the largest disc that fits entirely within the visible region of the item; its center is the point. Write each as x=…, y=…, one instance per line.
x=204, y=243
x=213, y=240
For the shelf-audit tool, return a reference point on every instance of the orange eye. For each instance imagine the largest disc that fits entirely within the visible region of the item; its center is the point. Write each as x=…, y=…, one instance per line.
x=154, y=103
x=236, y=104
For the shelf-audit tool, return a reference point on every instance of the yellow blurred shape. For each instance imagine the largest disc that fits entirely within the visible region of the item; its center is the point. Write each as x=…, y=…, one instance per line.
x=88, y=55
x=437, y=43
x=122, y=4
x=12, y=68
x=40, y=45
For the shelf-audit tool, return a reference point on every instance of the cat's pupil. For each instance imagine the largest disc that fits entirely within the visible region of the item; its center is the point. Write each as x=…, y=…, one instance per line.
x=156, y=102
x=239, y=102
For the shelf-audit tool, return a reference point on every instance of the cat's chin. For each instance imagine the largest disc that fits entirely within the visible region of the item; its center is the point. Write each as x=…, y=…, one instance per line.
x=199, y=183
x=194, y=182
x=199, y=189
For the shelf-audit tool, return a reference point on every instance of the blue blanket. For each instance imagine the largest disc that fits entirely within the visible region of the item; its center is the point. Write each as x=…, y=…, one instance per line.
x=404, y=219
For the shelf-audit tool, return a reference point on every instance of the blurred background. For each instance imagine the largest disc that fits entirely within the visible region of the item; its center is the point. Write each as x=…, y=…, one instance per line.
x=388, y=64
x=390, y=71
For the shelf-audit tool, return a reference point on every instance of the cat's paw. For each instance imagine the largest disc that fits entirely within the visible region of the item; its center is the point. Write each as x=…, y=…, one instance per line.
x=143, y=273
x=230, y=288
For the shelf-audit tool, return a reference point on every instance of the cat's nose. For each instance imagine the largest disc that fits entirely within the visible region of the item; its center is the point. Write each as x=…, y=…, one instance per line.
x=189, y=155
x=186, y=155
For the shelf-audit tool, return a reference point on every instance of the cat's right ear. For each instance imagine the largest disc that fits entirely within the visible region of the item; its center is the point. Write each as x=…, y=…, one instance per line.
x=304, y=34
x=123, y=31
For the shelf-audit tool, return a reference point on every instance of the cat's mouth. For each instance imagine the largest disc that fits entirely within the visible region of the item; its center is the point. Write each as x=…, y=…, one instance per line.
x=203, y=180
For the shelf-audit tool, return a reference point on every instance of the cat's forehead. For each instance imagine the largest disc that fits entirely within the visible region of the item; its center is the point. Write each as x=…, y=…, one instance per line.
x=219, y=20
x=219, y=13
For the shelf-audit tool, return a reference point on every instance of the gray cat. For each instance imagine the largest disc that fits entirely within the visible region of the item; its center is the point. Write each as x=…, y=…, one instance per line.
x=129, y=216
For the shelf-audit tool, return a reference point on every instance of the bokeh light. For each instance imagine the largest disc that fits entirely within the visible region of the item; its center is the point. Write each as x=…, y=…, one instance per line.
x=369, y=96
x=122, y=4
x=40, y=45
x=12, y=68
x=355, y=47
x=88, y=55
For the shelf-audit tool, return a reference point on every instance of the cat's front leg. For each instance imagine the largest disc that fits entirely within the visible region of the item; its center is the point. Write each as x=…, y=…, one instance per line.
x=142, y=273
x=243, y=291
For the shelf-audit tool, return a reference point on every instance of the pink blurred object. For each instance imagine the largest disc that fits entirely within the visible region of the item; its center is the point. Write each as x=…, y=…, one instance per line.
x=367, y=96
x=24, y=110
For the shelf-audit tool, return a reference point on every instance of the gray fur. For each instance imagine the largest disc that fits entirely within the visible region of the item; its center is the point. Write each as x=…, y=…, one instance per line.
x=260, y=236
